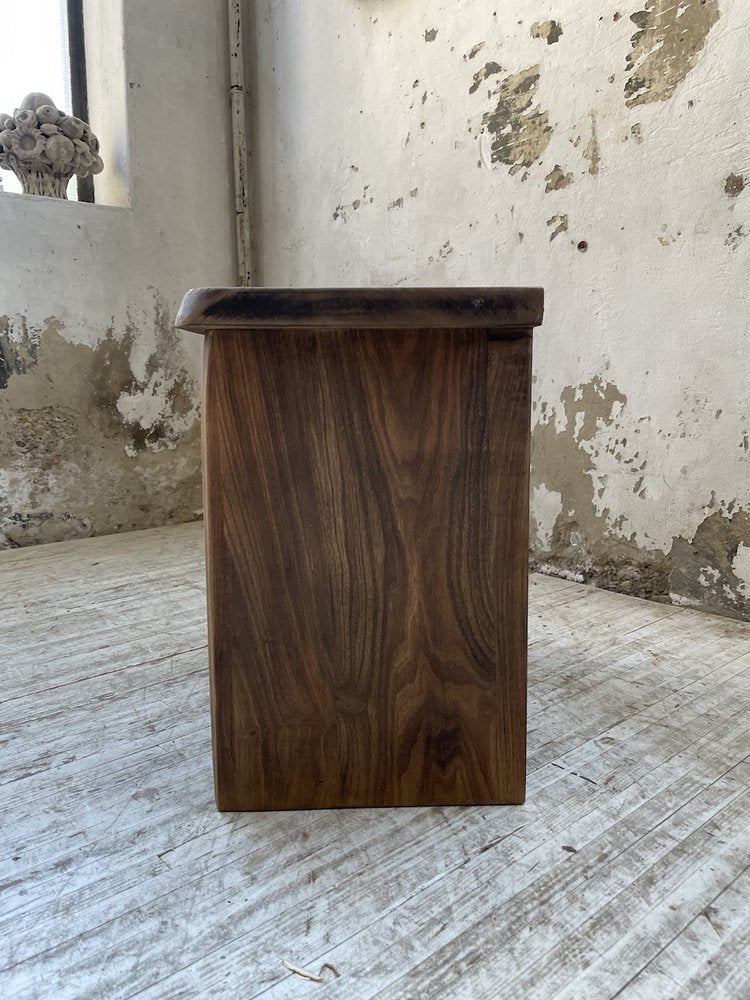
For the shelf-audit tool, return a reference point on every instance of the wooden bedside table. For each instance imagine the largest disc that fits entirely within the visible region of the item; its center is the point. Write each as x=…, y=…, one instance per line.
x=366, y=460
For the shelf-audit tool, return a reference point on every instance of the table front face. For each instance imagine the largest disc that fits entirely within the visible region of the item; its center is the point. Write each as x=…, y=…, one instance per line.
x=366, y=515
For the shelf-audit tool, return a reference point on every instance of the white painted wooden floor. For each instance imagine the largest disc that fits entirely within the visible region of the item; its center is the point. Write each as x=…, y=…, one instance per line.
x=626, y=874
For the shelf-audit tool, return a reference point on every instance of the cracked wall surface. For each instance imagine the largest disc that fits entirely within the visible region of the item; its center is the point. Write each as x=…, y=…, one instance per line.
x=596, y=150
x=99, y=397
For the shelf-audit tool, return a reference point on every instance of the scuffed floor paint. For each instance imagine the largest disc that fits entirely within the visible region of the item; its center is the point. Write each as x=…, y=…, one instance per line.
x=670, y=36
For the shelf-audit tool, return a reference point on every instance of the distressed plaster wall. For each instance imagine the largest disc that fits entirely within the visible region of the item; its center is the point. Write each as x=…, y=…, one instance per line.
x=600, y=150
x=98, y=393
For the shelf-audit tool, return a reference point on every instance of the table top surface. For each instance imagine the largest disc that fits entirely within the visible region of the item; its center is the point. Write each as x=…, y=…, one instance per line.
x=205, y=310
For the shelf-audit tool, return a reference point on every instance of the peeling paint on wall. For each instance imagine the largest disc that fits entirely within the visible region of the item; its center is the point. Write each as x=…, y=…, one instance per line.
x=489, y=69
x=473, y=51
x=741, y=570
x=86, y=444
x=19, y=348
x=634, y=219
x=548, y=30
x=587, y=542
x=520, y=129
x=734, y=185
x=99, y=423
x=558, y=224
x=712, y=569
x=557, y=179
x=546, y=507
x=592, y=152
x=670, y=36
x=578, y=537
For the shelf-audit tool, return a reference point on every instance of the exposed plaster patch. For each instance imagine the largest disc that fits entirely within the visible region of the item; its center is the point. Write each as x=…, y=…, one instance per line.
x=520, y=130
x=88, y=447
x=40, y=528
x=473, y=51
x=587, y=541
x=549, y=30
x=559, y=224
x=712, y=570
x=156, y=405
x=734, y=185
x=592, y=152
x=546, y=507
x=665, y=47
x=19, y=348
x=741, y=569
x=557, y=179
x=560, y=572
x=430, y=34
x=707, y=576
x=575, y=453
x=489, y=69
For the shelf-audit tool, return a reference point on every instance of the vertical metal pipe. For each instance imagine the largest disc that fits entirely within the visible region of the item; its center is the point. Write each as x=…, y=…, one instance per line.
x=78, y=91
x=238, y=105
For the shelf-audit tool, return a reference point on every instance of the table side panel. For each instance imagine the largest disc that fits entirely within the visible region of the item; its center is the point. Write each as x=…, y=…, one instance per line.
x=357, y=483
x=509, y=393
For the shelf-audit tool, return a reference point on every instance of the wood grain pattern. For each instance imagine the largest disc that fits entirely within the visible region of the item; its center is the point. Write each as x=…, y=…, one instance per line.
x=505, y=311
x=366, y=505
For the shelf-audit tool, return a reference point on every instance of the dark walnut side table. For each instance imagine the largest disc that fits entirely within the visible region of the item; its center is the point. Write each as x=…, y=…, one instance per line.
x=366, y=462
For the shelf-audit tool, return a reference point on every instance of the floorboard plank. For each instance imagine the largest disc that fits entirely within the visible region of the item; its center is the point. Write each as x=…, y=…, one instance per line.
x=696, y=962
x=624, y=874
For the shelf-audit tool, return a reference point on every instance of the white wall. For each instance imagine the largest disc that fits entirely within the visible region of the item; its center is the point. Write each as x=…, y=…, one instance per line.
x=98, y=419
x=616, y=180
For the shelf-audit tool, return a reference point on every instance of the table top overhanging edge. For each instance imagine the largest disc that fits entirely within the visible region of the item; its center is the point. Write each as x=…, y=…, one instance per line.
x=205, y=310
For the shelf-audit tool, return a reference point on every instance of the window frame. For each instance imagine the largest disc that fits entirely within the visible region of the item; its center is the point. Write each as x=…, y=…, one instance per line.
x=78, y=84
